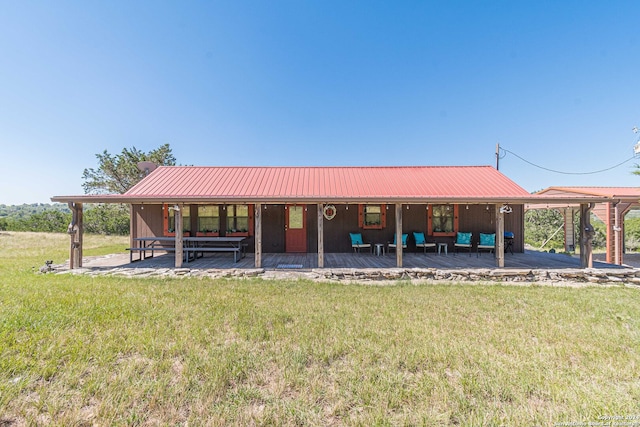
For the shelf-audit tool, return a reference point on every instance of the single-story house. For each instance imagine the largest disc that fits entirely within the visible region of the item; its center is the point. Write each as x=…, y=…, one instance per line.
x=314, y=209
x=619, y=201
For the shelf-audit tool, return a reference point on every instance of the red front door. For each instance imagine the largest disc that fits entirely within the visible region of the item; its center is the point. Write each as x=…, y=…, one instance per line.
x=295, y=229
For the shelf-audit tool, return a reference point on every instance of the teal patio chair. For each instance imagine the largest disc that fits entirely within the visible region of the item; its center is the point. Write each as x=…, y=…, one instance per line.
x=357, y=243
x=394, y=244
x=487, y=243
x=463, y=241
x=421, y=242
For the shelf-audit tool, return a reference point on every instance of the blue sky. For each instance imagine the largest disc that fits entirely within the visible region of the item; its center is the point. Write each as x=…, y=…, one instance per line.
x=319, y=83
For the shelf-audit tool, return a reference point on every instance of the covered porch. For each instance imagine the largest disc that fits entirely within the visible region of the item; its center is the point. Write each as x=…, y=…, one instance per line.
x=360, y=261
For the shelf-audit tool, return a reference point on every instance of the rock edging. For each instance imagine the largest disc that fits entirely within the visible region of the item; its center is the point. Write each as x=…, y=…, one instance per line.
x=605, y=276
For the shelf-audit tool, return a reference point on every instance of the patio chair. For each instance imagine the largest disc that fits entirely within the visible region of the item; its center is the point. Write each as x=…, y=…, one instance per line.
x=487, y=243
x=357, y=243
x=394, y=244
x=421, y=242
x=463, y=241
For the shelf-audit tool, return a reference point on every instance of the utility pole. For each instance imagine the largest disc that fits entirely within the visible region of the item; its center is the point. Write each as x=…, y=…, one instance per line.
x=498, y=156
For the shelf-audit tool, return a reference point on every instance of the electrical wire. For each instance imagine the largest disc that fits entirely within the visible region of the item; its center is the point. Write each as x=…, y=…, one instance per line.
x=563, y=172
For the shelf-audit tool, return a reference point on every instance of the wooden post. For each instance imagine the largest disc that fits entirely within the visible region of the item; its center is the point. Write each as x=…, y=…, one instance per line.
x=569, y=231
x=320, y=236
x=399, y=235
x=614, y=220
x=80, y=235
x=258, y=235
x=623, y=210
x=617, y=232
x=499, y=249
x=179, y=235
x=133, y=225
x=586, y=234
x=75, y=231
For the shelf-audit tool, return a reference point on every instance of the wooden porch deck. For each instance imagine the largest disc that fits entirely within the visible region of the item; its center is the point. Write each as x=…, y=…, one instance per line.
x=306, y=261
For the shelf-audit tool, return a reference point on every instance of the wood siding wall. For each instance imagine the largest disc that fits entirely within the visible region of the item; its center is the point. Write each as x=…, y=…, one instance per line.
x=476, y=219
x=147, y=220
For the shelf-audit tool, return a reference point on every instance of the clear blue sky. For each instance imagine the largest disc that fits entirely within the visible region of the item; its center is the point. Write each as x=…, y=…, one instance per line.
x=319, y=83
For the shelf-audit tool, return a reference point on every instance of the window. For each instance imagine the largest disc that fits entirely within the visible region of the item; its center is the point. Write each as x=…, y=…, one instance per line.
x=208, y=220
x=169, y=217
x=442, y=220
x=372, y=216
x=239, y=220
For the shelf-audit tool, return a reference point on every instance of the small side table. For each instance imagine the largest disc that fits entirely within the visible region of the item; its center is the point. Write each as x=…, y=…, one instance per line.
x=379, y=249
x=442, y=246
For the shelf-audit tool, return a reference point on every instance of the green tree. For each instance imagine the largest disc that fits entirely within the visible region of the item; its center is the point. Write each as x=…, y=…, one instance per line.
x=539, y=226
x=49, y=221
x=632, y=234
x=116, y=174
x=107, y=219
x=4, y=224
x=52, y=221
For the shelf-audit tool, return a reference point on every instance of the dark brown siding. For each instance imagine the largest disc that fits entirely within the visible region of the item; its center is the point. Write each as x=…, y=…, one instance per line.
x=273, y=229
x=514, y=222
x=481, y=219
x=336, y=231
x=312, y=228
x=476, y=219
x=147, y=220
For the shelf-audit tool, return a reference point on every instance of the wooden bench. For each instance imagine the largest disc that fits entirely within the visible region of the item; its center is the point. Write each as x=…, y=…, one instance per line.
x=142, y=252
x=237, y=251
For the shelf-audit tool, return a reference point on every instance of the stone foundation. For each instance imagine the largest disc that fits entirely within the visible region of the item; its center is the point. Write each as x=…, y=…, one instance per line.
x=587, y=276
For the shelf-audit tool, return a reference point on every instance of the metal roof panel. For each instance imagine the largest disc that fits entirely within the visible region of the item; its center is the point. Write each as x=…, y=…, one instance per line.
x=327, y=182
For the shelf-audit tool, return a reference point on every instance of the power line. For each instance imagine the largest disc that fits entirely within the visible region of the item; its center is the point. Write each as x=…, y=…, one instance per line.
x=563, y=172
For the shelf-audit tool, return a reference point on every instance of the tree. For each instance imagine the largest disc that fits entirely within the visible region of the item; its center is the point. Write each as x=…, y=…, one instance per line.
x=545, y=226
x=118, y=173
x=107, y=219
x=50, y=221
x=540, y=224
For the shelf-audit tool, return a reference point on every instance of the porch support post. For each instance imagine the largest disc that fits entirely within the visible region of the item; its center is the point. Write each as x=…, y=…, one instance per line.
x=320, y=236
x=75, y=231
x=399, y=235
x=617, y=229
x=586, y=234
x=499, y=249
x=258, y=235
x=133, y=224
x=609, y=223
x=179, y=235
x=569, y=231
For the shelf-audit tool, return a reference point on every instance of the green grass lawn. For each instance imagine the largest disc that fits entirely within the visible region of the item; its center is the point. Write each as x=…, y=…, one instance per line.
x=80, y=350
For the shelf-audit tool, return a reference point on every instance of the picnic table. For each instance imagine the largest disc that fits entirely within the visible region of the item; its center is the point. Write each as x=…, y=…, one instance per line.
x=200, y=245
x=192, y=247
x=143, y=245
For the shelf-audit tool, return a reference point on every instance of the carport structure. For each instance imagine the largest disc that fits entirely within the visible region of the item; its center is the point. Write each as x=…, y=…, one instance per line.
x=620, y=200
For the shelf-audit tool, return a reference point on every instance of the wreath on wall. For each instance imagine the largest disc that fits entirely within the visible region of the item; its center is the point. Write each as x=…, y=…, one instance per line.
x=329, y=212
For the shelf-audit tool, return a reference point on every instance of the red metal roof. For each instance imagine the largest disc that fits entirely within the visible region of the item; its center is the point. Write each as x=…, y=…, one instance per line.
x=327, y=183
x=610, y=192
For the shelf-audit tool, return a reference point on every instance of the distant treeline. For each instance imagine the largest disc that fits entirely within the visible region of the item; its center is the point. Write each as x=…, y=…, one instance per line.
x=56, y=217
